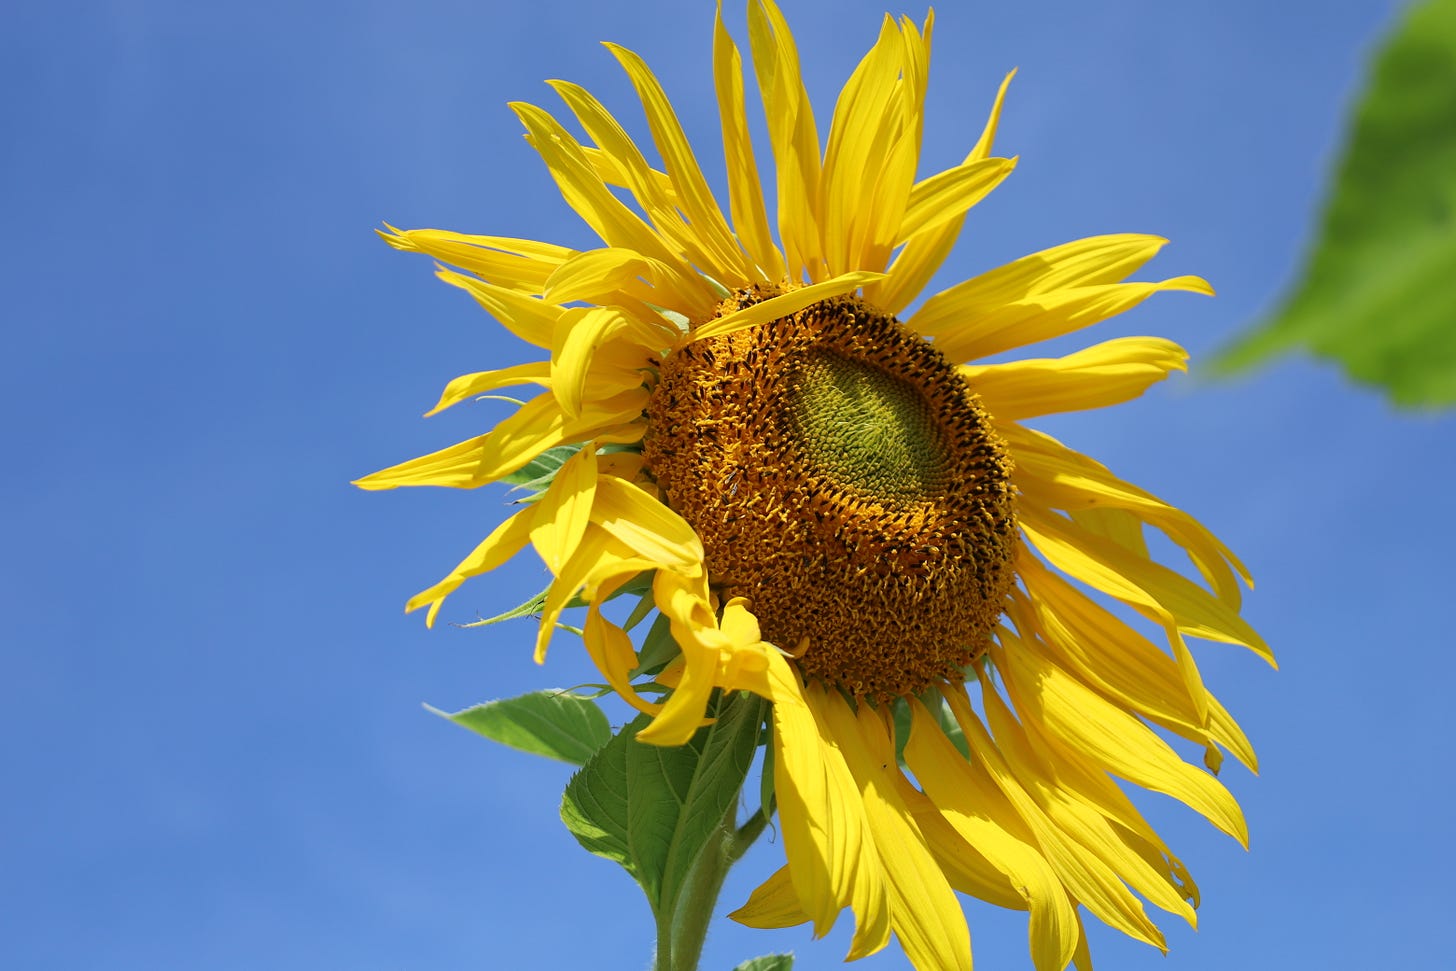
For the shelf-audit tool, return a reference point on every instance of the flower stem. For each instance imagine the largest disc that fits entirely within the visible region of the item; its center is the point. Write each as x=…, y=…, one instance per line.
x=682, y=928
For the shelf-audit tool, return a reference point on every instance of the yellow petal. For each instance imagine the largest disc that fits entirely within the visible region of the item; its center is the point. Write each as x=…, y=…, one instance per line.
x=1117, y=661
x=647, y=526
x=1099, y=376
x=537, y=425
x=581, y=335
x=618, y=226
x=964, y=866
x=607, y=275
x=745, y=191
x=598, y=562
x=620, y=162
x=686, y=603
x=968, y=332
x=1139, y=582
x=783, y=305
x=970, y=802
x=1110, y=737
x=611, y=651
x=864, y=147
x=793, y=136
x=949, y=194
x=924, y=912
x=924, y=252
x=1088, y=879
x=504, y=542
x=1077, y=816
x=694, y=196
x=1086, y=262
x=517, y=264
x=564, y=509
x=529, y=318
x=1051, y=475
x=772, y=904
x=473, y=385
x=830, y=863
x=469, y=464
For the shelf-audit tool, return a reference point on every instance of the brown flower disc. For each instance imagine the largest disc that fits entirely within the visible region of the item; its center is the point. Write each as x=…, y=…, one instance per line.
x=845, y=480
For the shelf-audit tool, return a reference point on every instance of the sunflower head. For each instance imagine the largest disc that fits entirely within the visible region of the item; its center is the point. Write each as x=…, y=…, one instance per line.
x=845, y=482
x=756, y=433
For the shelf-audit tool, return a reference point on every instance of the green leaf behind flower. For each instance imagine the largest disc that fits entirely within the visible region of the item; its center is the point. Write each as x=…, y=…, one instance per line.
x=769, y=962
x=556, y=724
x=1379, y=291
x=658, y=811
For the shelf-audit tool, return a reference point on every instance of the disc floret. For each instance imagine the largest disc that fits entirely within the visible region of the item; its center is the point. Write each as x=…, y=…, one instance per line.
x=845, y=480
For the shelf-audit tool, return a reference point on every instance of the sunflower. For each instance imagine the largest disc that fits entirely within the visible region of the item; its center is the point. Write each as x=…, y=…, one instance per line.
x=827, y=510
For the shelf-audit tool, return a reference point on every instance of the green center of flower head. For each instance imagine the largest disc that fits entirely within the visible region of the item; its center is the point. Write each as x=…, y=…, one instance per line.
x=864, y=429
x=844, y=479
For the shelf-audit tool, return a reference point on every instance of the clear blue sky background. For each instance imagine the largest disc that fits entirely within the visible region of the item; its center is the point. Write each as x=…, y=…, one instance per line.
x=214, y=754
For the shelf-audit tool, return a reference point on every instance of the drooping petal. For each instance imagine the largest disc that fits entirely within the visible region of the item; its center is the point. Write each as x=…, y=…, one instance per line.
x=1078, y=816
x=598, y=561
x=831, y=863
x=504, y=542
x=979, y=812
x=611, y=651
x=582, y=334
x=772, y=904
x=1109, y=737
x=564, y=510
x=1051, y=475
x=472, y=385
x=1087, y=878
x=647, y=526
x=608, y=276
x=924, y=912
x=529, y=318
x=1138, y=582
x=1117, y=661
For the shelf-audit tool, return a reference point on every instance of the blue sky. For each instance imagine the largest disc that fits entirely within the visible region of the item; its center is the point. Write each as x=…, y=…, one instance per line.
x=213, y=745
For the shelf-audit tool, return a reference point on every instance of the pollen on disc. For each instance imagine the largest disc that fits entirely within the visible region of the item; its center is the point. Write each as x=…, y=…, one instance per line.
x=845, y=480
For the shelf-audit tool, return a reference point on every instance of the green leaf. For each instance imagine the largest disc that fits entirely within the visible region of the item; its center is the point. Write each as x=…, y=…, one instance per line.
x=657, y=811
x=556, y=724
x=537, y=474
x=658, y=648
x=769, y=962
x=767, y=797
x=526, y=609
x=937, y=706
x=1379, y=290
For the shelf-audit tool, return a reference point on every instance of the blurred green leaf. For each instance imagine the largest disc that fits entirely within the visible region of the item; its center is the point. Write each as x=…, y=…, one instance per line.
x=1379, y=291
x=556, y=724
x=657, y=810
x=769, y=962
